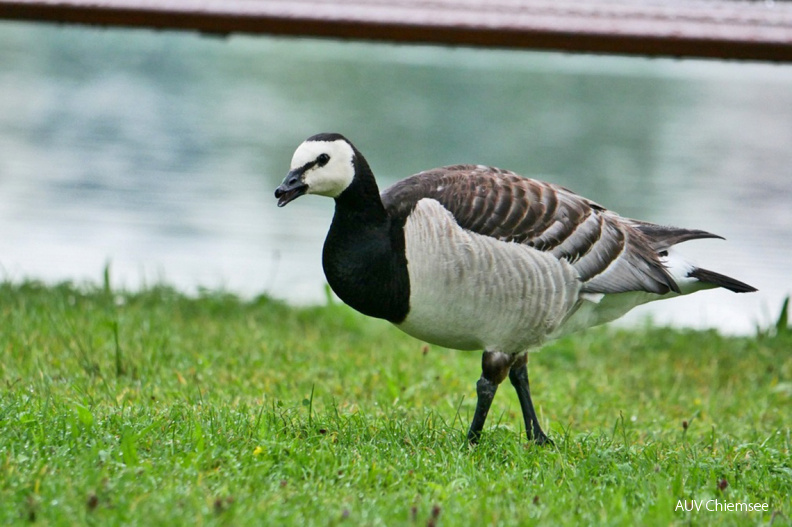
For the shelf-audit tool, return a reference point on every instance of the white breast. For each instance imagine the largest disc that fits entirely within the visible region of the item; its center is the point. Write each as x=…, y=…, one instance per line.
x=469, y=291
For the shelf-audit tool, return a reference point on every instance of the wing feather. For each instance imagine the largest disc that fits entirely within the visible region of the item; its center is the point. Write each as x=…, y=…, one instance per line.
x=611, y=254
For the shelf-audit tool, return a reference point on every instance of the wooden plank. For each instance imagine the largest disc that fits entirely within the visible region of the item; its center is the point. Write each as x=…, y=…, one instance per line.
x=723, y=29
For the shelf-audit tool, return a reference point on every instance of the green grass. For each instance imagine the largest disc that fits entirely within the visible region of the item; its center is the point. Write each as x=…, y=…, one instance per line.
x=154, y=408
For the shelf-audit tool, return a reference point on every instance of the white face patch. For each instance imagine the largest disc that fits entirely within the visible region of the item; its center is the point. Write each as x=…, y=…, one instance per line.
x=331, y=178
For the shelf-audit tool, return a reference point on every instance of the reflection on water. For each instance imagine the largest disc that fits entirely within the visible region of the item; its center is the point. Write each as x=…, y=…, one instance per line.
x=159, y=152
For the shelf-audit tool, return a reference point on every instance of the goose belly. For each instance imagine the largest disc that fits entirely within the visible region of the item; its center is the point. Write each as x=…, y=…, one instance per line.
x=469, y=291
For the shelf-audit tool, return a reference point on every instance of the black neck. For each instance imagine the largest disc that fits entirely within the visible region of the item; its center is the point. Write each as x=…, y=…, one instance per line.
x=362, y=196
x=363, y=256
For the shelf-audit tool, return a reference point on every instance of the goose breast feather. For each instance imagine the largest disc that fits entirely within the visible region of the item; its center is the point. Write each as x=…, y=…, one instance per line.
x=610, y=254
x=470, y=291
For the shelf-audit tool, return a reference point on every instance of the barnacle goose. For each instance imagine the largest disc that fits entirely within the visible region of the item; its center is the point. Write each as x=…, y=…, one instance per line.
x=478, y=258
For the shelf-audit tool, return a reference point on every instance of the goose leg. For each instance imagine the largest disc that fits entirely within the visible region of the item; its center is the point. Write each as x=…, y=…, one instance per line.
x=518, y=375
x=494, y=369
x=485, y=390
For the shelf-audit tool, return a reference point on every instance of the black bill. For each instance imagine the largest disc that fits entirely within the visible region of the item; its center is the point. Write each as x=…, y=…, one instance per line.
x=291, y=189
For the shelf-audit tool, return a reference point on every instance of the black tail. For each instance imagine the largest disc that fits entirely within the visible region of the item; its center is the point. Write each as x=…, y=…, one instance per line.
x=711, y=277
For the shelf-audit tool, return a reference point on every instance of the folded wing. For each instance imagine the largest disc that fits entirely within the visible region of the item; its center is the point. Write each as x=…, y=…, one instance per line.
x=611, y=254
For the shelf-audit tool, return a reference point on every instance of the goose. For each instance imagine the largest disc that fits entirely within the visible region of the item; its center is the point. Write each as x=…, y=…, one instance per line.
x=473, y=257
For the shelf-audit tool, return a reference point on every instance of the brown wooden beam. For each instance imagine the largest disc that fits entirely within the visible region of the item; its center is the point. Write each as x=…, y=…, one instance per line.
x=724, y=29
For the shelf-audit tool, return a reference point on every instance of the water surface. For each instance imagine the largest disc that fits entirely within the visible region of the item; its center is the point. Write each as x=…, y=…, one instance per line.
x=159, y=152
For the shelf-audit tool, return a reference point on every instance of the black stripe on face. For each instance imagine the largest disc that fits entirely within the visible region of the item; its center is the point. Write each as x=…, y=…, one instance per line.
x=320, y=161
x=305, y=168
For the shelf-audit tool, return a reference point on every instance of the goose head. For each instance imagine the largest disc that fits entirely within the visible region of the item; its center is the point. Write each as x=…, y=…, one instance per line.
x=323, y=164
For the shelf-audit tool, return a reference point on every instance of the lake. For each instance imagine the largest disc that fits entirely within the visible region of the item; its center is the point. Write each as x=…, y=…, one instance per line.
x=158, y=152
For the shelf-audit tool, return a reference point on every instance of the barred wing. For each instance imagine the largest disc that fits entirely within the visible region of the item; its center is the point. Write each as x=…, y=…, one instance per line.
x=611, y=254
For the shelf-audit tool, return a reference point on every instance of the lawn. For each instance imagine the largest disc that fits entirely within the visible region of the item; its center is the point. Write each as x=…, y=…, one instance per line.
x=154, y=408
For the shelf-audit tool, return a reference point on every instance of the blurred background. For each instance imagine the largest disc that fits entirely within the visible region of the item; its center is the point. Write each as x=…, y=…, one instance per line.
x=158, y=152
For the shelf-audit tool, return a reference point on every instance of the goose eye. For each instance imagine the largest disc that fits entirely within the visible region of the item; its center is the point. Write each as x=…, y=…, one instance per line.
x=322, y=159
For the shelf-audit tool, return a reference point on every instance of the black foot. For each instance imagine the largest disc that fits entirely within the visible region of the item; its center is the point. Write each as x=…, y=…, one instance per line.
x=541, y=439
x=473, y=437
